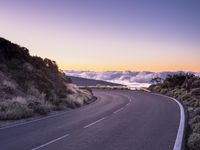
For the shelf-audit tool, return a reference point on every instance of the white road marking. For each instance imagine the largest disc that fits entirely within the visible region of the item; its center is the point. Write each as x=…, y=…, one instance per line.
x=180, y=133
x=106, y=117
x=179, y=137
x=118, y=110
x=50, y=142
x=127, y=104
x=94, y=122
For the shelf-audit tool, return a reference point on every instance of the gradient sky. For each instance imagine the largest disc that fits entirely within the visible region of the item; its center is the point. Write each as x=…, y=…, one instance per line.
x=151, y=35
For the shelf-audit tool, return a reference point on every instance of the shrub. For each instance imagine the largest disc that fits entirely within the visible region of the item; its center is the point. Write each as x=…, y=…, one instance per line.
x=43, y=109
x=194, y=120
x=75, y=100
x=39, y=106
x=156, y=88
x=163, y=91
x=194, y=141
x=197, y=111
x=10, y=110
x=9, y=84
x=196, y=128
x=195, y=84
x=186, y=96
x=20, y=100
x=195, y=91
x=177, y=80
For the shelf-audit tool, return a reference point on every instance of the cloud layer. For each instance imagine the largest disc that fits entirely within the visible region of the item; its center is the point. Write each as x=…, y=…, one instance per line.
x=130, y=78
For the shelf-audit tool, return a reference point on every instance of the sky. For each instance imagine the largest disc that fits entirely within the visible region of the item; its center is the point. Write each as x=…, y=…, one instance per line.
x=101, y=35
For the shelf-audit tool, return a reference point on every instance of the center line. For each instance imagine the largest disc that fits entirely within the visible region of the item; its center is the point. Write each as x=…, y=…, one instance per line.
x=127, y=104
x=94, y=122
x=50, y=142
x=118, y=110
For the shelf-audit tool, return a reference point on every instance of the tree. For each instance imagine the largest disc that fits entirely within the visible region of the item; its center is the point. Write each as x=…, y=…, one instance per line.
x=51, y=65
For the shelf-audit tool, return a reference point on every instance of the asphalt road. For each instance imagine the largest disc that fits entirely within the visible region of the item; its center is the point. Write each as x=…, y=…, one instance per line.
x=118, y=120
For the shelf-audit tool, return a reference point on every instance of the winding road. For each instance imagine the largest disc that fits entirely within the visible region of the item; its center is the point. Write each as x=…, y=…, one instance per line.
x=118, y=120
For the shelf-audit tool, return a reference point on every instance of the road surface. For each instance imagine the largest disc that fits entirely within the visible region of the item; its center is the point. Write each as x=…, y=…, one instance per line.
x=118, y=120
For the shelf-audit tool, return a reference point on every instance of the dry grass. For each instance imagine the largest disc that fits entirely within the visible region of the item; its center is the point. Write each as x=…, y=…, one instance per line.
x=12, y=110
x=9, y=84
x=35, y=103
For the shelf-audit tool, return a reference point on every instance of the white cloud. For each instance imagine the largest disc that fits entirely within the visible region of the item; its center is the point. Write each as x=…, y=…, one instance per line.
x=130, y=78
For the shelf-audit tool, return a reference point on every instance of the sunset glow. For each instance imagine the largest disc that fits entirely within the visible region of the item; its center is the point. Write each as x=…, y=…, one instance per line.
x=107, y=35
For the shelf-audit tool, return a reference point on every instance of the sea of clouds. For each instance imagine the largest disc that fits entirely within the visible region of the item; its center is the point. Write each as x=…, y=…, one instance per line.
x=129, y=78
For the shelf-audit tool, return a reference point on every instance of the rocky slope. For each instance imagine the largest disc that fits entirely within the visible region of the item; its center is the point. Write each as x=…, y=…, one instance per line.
x=30, y=85
x=186, y=88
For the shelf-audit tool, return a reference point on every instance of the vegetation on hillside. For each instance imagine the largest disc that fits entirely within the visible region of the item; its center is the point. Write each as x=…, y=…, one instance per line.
x=186, y=88
x=31, y=85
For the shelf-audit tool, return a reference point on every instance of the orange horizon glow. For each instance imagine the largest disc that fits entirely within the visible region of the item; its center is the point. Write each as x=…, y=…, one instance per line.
x=126, y=35
x=117, y=68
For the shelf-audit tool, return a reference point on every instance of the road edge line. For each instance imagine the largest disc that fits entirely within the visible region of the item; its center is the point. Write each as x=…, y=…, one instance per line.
x=181, y=129
x=118, y=110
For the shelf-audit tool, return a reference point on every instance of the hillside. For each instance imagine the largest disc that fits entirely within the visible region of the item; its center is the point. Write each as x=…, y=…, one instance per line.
x=31, y=85
x=91, y=82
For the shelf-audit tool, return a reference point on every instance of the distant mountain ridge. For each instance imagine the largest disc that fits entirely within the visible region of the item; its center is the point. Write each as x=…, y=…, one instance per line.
x=91, y=82
x=130, y=78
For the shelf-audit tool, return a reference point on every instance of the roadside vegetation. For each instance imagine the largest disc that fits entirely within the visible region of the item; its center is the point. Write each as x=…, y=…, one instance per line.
x=30, y=85
x=105, y=87
x=185, y=88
